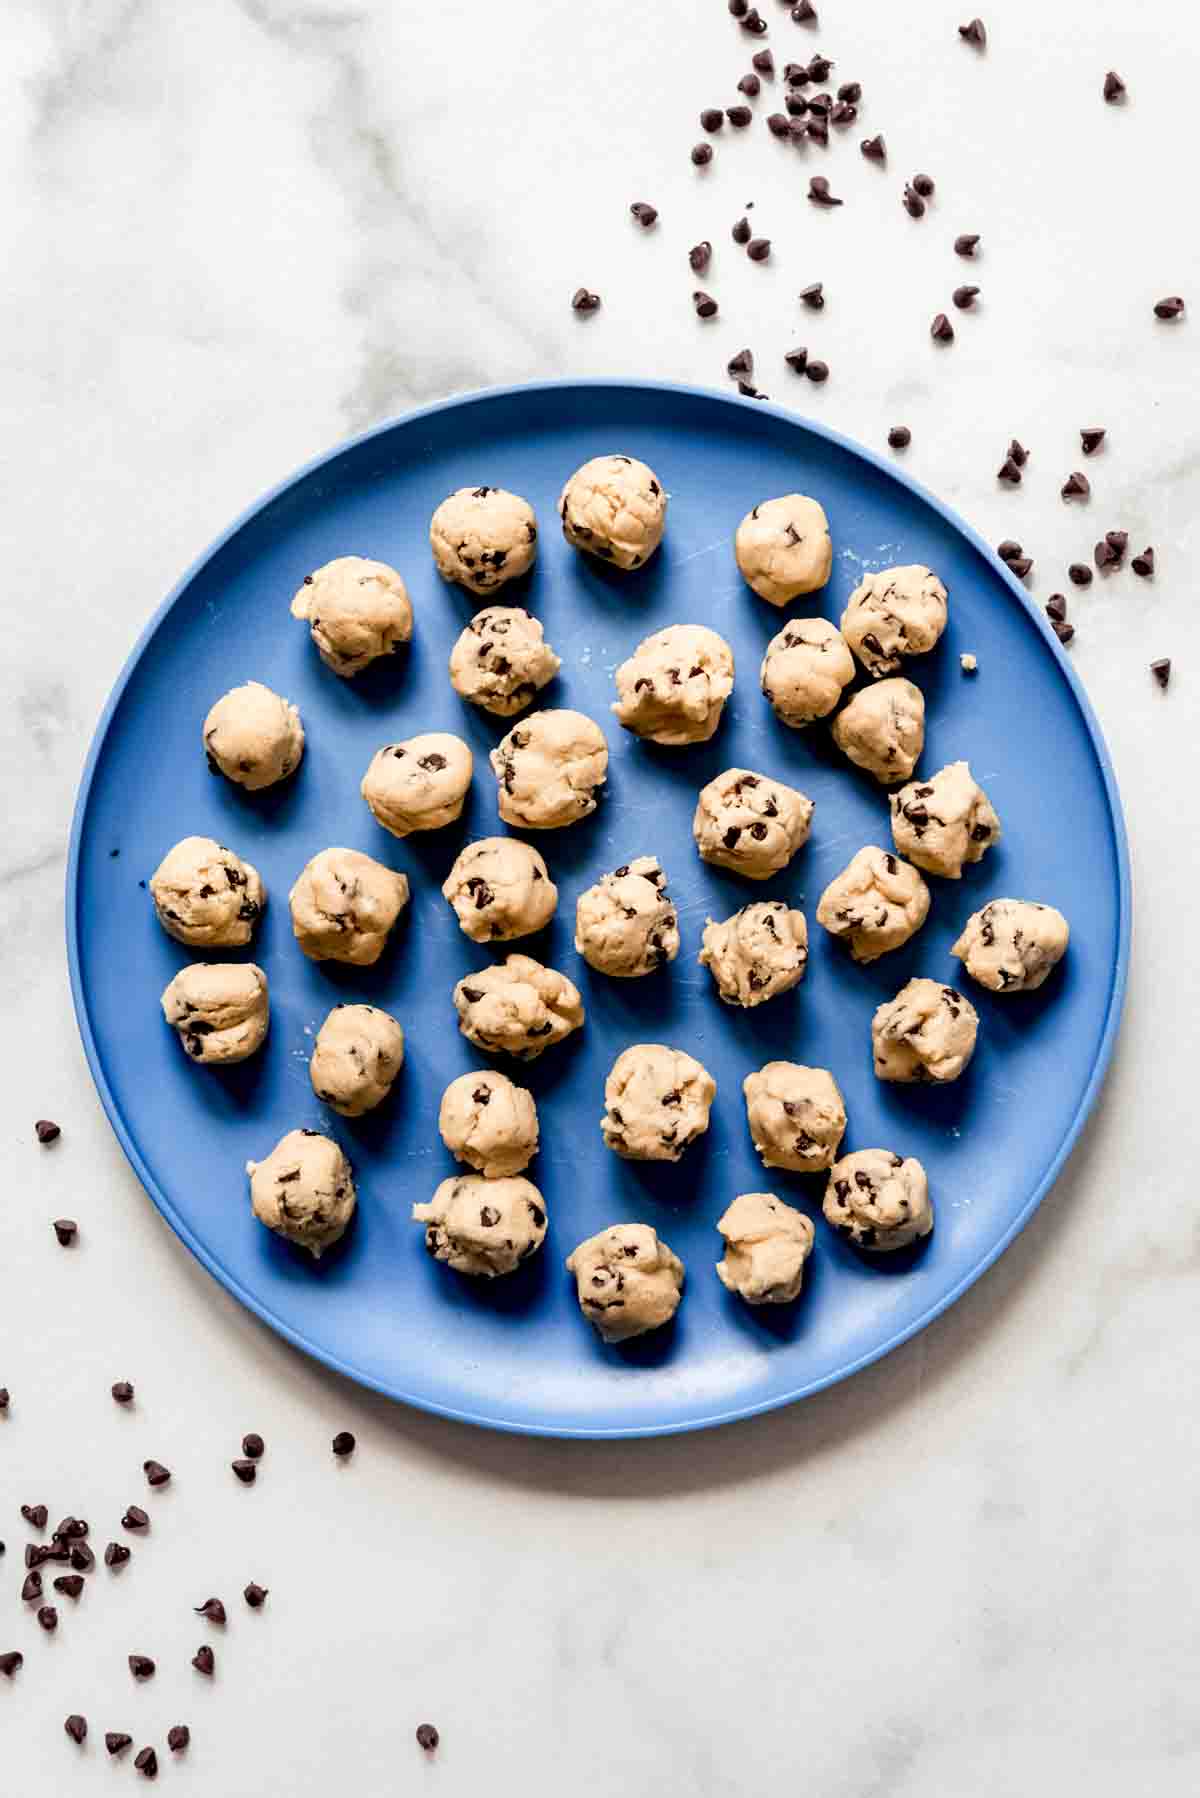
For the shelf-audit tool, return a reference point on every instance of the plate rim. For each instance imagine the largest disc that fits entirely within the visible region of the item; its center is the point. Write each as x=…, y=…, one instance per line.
x=723, y=1415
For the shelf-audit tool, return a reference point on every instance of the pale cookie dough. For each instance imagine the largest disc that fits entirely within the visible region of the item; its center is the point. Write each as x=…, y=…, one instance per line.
x=500, y=889
x=613, y=507
x=420, y=784
x=927, y=1032
x=766, y=1246
x=343, y=906
x=674, y=686
x=877, y=1200
x=893, y=613
x=783, y=548
x=206, y=896
x=358, y=1053
x=875, y=904
x=489, y=1123
x=550, y=768
x=304, y=1190
x=804, y=671
x=882, y=729
x=517, y=1007
x=482, y=537
x=656, y=1101
x=357, y=610
x=797, y=1115
x=626, y=925
x=1012, y=944
x=628, y=1281
x=502, y=660
x=750, y=823
x=220, y=1009
x=484, y=1227
x=758, y=953
x=253, y=737
x=944, y=822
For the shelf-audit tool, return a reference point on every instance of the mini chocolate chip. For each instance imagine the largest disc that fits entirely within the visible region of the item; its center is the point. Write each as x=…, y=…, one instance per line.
x=428, y=1737
x=1056, y=607
x=46, y=1131
x=923, y=185
x=204, y=1660
x=1161, y=670
x=874, y=148
x=141, y=1666
x=123, y=1392
x=964, y=297
x=758, y=249
x=116, y=1554
x=1064, y=632
x=817, y=372
x=146, y=1762
x=974, y=33
x=741, y=231
x=711, y=119
x=749, y=85
x=851, y=92
x=135, y=1519
x=741, y=363
x=583, y=301
x=819, y=68
x=705, y=305
x=814, y=295
x=1008, y=550
x=818, y=129
x=1009, y=471
x=253, y=1445
x=912, y=202
x=739, y=8
x=762, y=60
x=1080, y=574
x=1143, y=564
x=644, y=213
x=797, y=359
x=1021, y=566
x=36, y=1515
x=156, y=1474
x=1171, y=307
x=48, y=1618
x=31, y=1588
x=1091, y=437
x=966, y=243
x=899, y=437
x=246, y=1470
x=343, y=1444
x=1104, y=555
x=178, y=1737
x=69, y=1584
x=843, y=113
x=5, y=1398
x=797, y=106
x=941, y=330
x=819, y=194
x=76, y=1727
x=116, y=1741
x=1076, y=486
x=212, y=1608
x=701, y=154
x=1114, y=87
x=66, y=1229
x=11, y=1661
x=739, y=116
x=82, y=1558
x=778, y=124
x=255, y=1595
x=804, y=13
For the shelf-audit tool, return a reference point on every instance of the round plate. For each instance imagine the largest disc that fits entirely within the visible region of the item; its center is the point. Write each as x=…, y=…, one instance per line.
x=516, y=1353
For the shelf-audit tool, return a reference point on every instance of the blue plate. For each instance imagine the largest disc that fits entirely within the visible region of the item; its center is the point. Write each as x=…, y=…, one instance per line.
x=516, y=1353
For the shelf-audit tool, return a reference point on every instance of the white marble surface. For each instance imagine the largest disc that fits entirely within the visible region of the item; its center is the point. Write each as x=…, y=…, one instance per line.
x=232, y=233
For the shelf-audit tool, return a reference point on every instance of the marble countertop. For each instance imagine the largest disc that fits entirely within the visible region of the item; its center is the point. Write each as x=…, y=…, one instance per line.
x=234, y=233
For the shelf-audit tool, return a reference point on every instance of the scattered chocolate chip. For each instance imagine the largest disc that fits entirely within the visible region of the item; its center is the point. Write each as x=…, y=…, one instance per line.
x=1117, y=540
x=116, y=1554
x=699, y=256
x=644, y=213
x=818, y=372
x=975, y=33
x=941, y=330
x=874, y=148
x=778, y=124
x=1076, y=486
x=69, y=1584
x=116, y=1741
x=750, y=85
x=1143, y=564
x=819, y=194
x=76, y=1727
x=711, y=119
x=1008, y=471
x=739, y=8
x=156, y=1474
x=1008, y=550
x=797, y=359
x=804, y=13
x=1079, y=574
x=584, y=301
x=11, y=1661
x=37, y=1516
x=255, y=1595
x=66, y=1229
x=1161, y=670
x=146, y=1762
x=843, y=113
x=851, y=92
x=253, y=1445
x=758, y=249
x=5, y=1398
x=178, y=1737
x=923, y=185
x=1104, y=555
x=912, y=202
x=818, y=130
x=428, y=1737
x=739, y=116
x=204, y=1660
x=48, y=1618
x=750, y=392
x=819, y=68
x=246, y=1471
x=964, y=297
x=740, y=364
x=706, y=306
x=82, y=1558
x=967, y=243
x=135, y=1519
x=212, y=1608
x=701, y=154
x=1064, y=632
x=741, y=231
x=814, y=295
x=141, y=1666
x=343, y=1443
x=763, y=61
x=1018, y=452
x=1171, y=307
x=1021, y=566
x=899, y=437
x=46, y=1132
x=123, y=1392
x=1090, y=438
x=1056, y=607
x=1114, y=87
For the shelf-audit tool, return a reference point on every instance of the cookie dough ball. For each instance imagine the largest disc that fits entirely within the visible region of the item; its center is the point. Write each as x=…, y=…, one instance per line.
x=797, y=1115
x=343, y=906
x=483, y=1227
x=674, y=686
x=220, y=1010
x=482, y=537
x=927, y=1032
x=419, y=784
x=358, y=1053
x=750, y=823
x=613, y=507
x=875, y=904
x=804, y=671
x=253, y=737
x=517, y=1007
x=489, y=1123
x=206, y=896
x=758, y=953
x=656, y=1101
x=878, y=1200
x=501, y=660
x=882, y=729
x=626, y=925
x=1012, y=944
x=304, y=1190
x=944, y=822
x=783, y=548
x=550, y=768
x=500, y=889
x=628, y=1281
x=893, y=613
x=766, y=1246
x=357, y=610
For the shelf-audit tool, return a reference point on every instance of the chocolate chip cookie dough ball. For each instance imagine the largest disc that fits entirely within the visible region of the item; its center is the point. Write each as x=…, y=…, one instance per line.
x=357, y=610
x=517, y=1007
x=206, y=896
x=626, y=925
x=757, y=954
x=220, y=1010
x=482, y=537
x=783, y=548
x=420, y=784
x=878, y=1200
x=656, y=1101
x=483, y=1227
x=550, y=768
x=875, y=904
x=882, y=729
x=253, y=737
x=343, y=906
x=944, y=822
x=797, y=1115
x=766, y=1246
x=613, y=507
x=750, y=823
x=927, y=1032
x=674, y=686
x=628, y=1281
x=304, y=1190
x=489, y=1123
x=358, y=1053
x=1012, y=945
x=893, y=613
x=804, y=671
x=502, y=661
x=500, y=889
